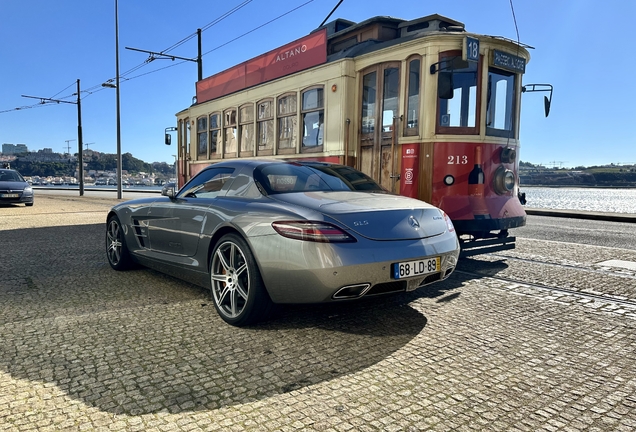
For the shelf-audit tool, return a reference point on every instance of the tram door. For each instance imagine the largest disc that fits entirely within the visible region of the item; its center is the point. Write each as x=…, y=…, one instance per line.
x=378, y=143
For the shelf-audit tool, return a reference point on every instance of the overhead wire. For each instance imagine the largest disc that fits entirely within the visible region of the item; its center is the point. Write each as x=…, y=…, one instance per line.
x=256, y=28
x=98, y=87
x=512, y=111
x=224, y=44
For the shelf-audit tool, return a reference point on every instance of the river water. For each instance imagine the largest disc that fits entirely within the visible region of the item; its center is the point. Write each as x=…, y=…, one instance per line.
x=588, y=199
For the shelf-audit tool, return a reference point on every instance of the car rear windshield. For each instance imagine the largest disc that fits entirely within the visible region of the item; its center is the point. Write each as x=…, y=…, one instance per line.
x=296, y=177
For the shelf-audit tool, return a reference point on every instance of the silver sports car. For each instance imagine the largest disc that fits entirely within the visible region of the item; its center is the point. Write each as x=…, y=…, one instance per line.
x=260, y=232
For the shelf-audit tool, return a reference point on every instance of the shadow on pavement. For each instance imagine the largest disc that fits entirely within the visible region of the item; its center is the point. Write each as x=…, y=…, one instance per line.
x=140, y=342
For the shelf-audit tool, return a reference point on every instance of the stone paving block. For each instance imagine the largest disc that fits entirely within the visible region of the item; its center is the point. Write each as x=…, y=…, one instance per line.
x=87, y=348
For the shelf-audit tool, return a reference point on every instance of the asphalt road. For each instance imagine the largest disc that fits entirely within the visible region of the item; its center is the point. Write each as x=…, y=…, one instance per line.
x=581, y=231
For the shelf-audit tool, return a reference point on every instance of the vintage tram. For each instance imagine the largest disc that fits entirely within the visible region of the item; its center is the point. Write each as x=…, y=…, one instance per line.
x=422, y=106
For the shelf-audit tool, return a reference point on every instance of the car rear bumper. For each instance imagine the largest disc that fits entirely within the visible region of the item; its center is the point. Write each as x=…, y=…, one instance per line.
x=308, y=272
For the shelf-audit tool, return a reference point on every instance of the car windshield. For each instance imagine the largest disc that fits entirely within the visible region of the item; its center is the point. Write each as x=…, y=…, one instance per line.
x=305, y=177
x=10, y=176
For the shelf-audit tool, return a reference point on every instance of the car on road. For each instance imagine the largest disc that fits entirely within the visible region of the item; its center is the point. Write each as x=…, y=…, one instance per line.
x=14, y=189
x=258, y=232
x=166, y=186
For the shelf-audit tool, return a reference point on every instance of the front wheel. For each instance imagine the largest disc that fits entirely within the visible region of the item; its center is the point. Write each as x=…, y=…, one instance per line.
x=238, y=291
x=116, y=249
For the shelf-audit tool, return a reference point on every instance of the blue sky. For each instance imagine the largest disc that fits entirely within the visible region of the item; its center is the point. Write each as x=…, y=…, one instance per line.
x=582, y=47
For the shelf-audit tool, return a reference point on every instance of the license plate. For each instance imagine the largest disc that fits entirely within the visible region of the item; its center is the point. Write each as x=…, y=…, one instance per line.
x=9, y=195
x=409, y=269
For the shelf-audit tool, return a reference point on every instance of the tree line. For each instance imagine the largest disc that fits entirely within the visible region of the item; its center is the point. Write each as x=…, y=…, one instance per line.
x=97, y=162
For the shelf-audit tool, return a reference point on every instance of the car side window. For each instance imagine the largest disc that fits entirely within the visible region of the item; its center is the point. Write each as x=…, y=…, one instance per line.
x=208, y=184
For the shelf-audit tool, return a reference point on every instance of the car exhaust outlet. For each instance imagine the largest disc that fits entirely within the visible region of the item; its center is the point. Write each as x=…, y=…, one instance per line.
x=448, y=272
x=351, y=291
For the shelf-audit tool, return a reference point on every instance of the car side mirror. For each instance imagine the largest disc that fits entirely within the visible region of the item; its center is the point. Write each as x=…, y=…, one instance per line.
x=170, y=192
x=445, y=85
x=168, y=139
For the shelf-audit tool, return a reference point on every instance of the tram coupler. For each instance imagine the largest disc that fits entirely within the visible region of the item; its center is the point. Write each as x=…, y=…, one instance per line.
x=485, y=245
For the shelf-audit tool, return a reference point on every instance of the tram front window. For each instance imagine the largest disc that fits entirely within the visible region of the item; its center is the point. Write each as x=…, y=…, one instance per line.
x=500, y=116
x=460, y=111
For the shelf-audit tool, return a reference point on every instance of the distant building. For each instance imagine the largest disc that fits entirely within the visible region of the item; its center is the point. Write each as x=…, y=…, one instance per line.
x=11, y=149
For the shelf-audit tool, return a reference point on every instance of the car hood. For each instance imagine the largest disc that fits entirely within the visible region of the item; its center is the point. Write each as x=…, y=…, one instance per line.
x=372, y=215
x=13, y=185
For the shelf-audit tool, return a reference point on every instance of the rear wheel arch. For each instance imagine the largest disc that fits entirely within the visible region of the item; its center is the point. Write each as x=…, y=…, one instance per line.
x=219, y=234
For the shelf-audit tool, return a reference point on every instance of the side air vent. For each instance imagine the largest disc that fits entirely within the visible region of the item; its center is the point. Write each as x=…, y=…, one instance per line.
x=141, y=233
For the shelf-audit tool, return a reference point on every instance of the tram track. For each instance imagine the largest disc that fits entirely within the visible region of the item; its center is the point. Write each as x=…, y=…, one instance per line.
x=577, y=267
x=565, y=291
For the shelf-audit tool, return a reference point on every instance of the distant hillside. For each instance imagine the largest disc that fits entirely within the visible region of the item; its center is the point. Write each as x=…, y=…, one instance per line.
x=29, y=165
x=600, y=176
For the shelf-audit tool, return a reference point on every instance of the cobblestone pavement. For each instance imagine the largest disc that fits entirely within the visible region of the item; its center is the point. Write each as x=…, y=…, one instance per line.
x=87, y=348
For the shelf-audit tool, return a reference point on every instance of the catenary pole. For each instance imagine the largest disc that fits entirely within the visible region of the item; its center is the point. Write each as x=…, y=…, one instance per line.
x=80, y=154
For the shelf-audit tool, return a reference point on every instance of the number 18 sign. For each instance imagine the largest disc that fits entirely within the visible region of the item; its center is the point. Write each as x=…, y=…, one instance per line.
x=471, y=49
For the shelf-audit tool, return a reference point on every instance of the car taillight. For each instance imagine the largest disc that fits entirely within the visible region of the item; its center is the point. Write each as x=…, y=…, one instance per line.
x=449, y=223
x=312, y=231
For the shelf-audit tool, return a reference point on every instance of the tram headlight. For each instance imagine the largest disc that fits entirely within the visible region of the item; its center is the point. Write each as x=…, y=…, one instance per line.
x=508, y=155
x=504, y=180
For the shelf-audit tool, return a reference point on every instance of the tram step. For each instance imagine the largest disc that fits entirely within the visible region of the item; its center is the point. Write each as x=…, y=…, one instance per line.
x=478, y=247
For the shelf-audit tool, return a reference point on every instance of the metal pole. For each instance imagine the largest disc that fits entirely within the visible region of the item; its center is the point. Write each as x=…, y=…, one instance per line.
x=119, y=194
x=80, y=153
x=199, y=60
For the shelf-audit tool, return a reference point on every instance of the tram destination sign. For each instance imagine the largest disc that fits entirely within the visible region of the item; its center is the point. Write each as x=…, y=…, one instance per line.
x=509, y=62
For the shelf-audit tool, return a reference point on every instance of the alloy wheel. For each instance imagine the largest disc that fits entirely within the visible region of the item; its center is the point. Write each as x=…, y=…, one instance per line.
x=114, y=238
x=230, y=279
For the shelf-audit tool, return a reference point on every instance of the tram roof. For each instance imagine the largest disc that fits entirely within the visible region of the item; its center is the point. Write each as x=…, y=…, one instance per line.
x=434, y=22
x=349, y=39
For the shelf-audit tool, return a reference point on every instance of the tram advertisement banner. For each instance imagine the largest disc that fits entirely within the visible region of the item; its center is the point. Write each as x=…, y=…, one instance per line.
x=463, y=176
x=291, y=58
x=409, y=174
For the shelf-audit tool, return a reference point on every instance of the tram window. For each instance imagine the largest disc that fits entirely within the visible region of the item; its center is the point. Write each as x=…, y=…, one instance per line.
x=246, y=129
x=368, y=102
x=460, y=111
x=413, y=101
x=390, y=98
x=287, y=122
x=265, y=126
x=230, y=133
x=182, y=140
x=500, y=102
x=215, y=133
x=187, y=137
x=313, y=118
x=202, y=138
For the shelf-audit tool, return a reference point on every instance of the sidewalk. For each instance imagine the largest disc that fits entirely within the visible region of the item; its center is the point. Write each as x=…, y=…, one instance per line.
x=580, y=214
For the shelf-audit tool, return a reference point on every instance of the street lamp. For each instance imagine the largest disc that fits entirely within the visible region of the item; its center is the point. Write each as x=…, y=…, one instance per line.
x=116, y=87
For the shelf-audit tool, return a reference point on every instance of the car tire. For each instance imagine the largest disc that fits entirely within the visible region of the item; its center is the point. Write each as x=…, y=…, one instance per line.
x=28, y=204
x=238, y=291
x=116, y=249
